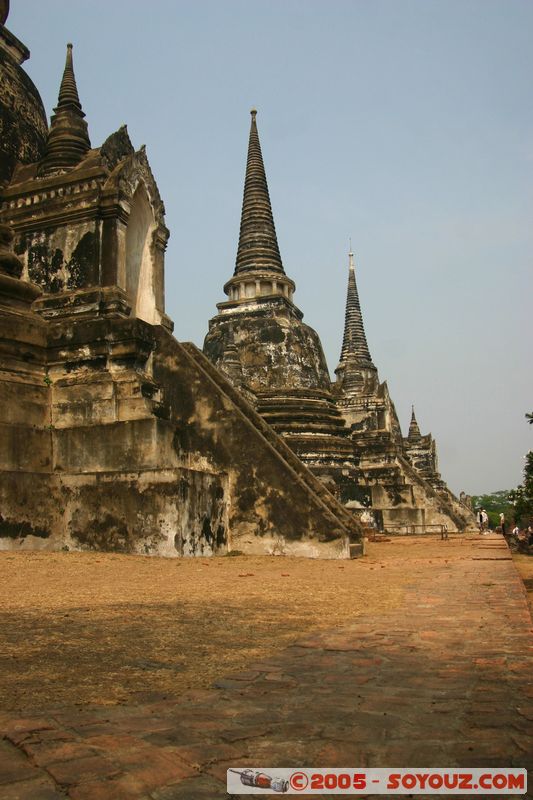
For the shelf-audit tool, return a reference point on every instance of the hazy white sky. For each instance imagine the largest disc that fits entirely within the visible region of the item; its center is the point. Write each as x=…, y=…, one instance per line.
x=405, y=124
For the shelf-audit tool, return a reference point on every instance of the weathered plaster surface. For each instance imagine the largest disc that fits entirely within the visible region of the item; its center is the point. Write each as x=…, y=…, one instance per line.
x=23, y=125
x=276, y=349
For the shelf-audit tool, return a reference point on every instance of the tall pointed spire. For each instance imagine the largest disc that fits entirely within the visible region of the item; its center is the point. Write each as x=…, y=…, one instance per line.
x=68, y=91
x=258, y=243
x=414, y=430
x=68, y=139
x=354, y=344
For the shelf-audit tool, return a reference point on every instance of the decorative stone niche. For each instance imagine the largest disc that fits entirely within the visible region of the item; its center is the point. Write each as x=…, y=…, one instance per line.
x=139, y=257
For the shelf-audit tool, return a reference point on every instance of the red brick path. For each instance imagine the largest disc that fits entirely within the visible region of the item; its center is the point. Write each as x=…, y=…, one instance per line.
x=443, y=680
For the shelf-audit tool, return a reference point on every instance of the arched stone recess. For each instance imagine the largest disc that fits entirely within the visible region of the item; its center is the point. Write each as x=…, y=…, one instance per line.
x=140, y=267
x=139, y=262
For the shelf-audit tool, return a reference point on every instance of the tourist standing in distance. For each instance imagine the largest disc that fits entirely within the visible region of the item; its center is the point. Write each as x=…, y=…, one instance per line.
x=479, y=516
x=484, y=521
x=502, y=522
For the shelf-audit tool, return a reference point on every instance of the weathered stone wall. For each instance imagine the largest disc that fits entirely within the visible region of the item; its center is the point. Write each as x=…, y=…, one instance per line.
x=30, y=512
x=275, y=502
x=160, y=512
x=122, y=441
x=27, y=512
x=61, y=258
x=101, y=224
x=422, y=455
x=409, y=500
x=164, y=512
x=265, y=349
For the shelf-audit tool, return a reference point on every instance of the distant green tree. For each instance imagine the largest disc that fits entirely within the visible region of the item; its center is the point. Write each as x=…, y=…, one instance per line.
x=522, y=496
x=494, y=504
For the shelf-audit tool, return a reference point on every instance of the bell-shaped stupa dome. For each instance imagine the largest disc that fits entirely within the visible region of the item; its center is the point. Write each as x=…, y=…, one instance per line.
x=22, y=116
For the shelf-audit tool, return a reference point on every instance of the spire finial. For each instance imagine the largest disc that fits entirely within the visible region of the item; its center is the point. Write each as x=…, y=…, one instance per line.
x=68, y=139
x=351, y=256
x=258, y=243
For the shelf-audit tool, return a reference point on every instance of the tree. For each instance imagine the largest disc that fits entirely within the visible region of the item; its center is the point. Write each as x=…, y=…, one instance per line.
x=495, y=504
x=522, y=496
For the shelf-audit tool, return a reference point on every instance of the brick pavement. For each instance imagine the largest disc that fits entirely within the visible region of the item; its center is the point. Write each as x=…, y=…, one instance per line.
x=442, y=680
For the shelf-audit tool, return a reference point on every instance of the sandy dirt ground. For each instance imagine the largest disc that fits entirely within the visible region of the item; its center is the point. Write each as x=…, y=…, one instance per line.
x=79, y=628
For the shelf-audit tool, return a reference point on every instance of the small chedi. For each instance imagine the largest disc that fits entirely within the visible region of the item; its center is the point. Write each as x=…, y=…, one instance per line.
x=115, y=436
x=399, y=475
x=346, y=432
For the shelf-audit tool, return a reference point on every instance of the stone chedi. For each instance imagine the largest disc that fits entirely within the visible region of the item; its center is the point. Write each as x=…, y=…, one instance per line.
x=348, y=432
x=89, y=221
x=400, y=476
x=421, y=450
x=258, y=339
x=113, y=435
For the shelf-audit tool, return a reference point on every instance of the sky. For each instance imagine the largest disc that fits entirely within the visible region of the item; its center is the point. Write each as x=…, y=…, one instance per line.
x=406, y=125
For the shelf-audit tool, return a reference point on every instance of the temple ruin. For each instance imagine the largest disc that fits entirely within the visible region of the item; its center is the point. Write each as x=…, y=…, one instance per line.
x=403, y=487
x=347, y=432
x=115, y=436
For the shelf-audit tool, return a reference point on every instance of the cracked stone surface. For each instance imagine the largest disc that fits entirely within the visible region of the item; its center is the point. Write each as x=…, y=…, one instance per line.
x=442, y=680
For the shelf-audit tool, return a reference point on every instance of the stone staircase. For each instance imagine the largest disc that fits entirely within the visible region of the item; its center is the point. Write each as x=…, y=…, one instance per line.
x=301, y=474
